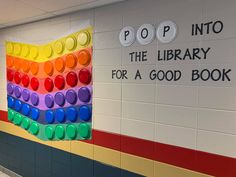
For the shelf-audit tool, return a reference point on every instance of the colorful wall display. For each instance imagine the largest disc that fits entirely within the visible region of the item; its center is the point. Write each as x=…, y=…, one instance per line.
x=49, y=87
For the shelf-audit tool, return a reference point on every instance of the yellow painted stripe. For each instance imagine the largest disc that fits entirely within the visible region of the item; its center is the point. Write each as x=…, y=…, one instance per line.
x=82, y=149
x=166, y=170
x=41, y=53
x=108, y=156
x=137, y=164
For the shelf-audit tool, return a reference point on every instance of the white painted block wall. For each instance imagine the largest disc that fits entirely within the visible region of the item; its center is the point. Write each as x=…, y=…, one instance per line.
x=195, y=115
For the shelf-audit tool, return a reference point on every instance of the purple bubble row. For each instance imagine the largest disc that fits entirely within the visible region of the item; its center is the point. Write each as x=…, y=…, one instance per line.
x=63, y=98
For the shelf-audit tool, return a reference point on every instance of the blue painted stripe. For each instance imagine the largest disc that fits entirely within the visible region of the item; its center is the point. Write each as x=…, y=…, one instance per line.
x=31, y=159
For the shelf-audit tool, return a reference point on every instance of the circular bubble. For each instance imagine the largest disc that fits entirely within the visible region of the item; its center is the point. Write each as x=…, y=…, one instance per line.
x=11, y=115
x=33, y=52
x=70, y=43
x=49, y=132
x=17, y=91
x=17, y=63
x=10, y=62
x=48, y=84
x=25, y=109
x=49, y=116
x=18, y=118
x=84, y=38
x=71, y=131
x=34, y=99
x=25, y=80
x=17, y=77
x=25, y=51
x=18, y=105
x=59, y=99
x=10, y=89
x=84, y=76
x=25, y=66
x=49, y=101
x=48, y=68
x=59, y=64
x=84, y=130
x=60, y=132
x=58, y=47
x=10, y=75
x=60, y=115
x=84, y=57
x=59, y=82
x=10, y=102
x=25, y=123
x=84, y=113
x=34, y=68
x=71, y=96
x=72, y=79
x=34, y=128
x=71, y=61
x=34, y=83
x=47, y=51
x=72, y=114
x=26, y=95
x=84, y=94
x=9, y=48
x=35, y=114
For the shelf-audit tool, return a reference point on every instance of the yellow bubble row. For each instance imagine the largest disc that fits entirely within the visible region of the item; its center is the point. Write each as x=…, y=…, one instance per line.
x=42, y=53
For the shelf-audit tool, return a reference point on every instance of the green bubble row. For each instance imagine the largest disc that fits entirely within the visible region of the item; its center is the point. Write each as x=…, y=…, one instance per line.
x=52, y=132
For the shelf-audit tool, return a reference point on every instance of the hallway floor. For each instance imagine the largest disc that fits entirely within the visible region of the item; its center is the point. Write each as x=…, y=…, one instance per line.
x=3, y=174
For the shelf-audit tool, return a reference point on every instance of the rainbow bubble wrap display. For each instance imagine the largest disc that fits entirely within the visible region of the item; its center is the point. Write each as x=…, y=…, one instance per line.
x=49, y=87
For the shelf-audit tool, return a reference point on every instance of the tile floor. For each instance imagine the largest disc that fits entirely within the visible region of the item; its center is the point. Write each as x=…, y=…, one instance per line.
x=3, y=174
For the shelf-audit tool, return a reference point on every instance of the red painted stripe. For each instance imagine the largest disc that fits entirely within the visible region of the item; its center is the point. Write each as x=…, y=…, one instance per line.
x=3, y=116
x=174, y=155
x=215, y=165
x=108, y=140
x=139, y=147
x=212, y=164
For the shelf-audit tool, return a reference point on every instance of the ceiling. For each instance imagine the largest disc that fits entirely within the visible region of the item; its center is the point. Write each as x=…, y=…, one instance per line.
x=15, y=12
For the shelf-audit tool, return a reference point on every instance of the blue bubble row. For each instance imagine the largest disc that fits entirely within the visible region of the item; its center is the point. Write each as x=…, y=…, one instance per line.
x=62, y=115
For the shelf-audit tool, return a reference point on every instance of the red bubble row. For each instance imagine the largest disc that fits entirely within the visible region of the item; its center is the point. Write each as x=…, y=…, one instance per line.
x=71, y=79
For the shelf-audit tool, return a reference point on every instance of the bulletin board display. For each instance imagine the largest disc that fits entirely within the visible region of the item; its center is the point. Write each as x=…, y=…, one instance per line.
x=49, y=87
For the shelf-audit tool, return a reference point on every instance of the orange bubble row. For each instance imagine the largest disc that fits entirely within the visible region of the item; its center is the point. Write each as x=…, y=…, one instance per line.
x=59, y=65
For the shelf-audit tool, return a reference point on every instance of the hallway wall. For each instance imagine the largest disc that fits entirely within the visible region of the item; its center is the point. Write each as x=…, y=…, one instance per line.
x=140, y=127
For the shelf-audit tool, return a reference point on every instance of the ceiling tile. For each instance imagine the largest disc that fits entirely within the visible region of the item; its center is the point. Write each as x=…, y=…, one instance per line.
x=54, y=5
x=85, y=6
x=27, y=20
x=13, y=10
